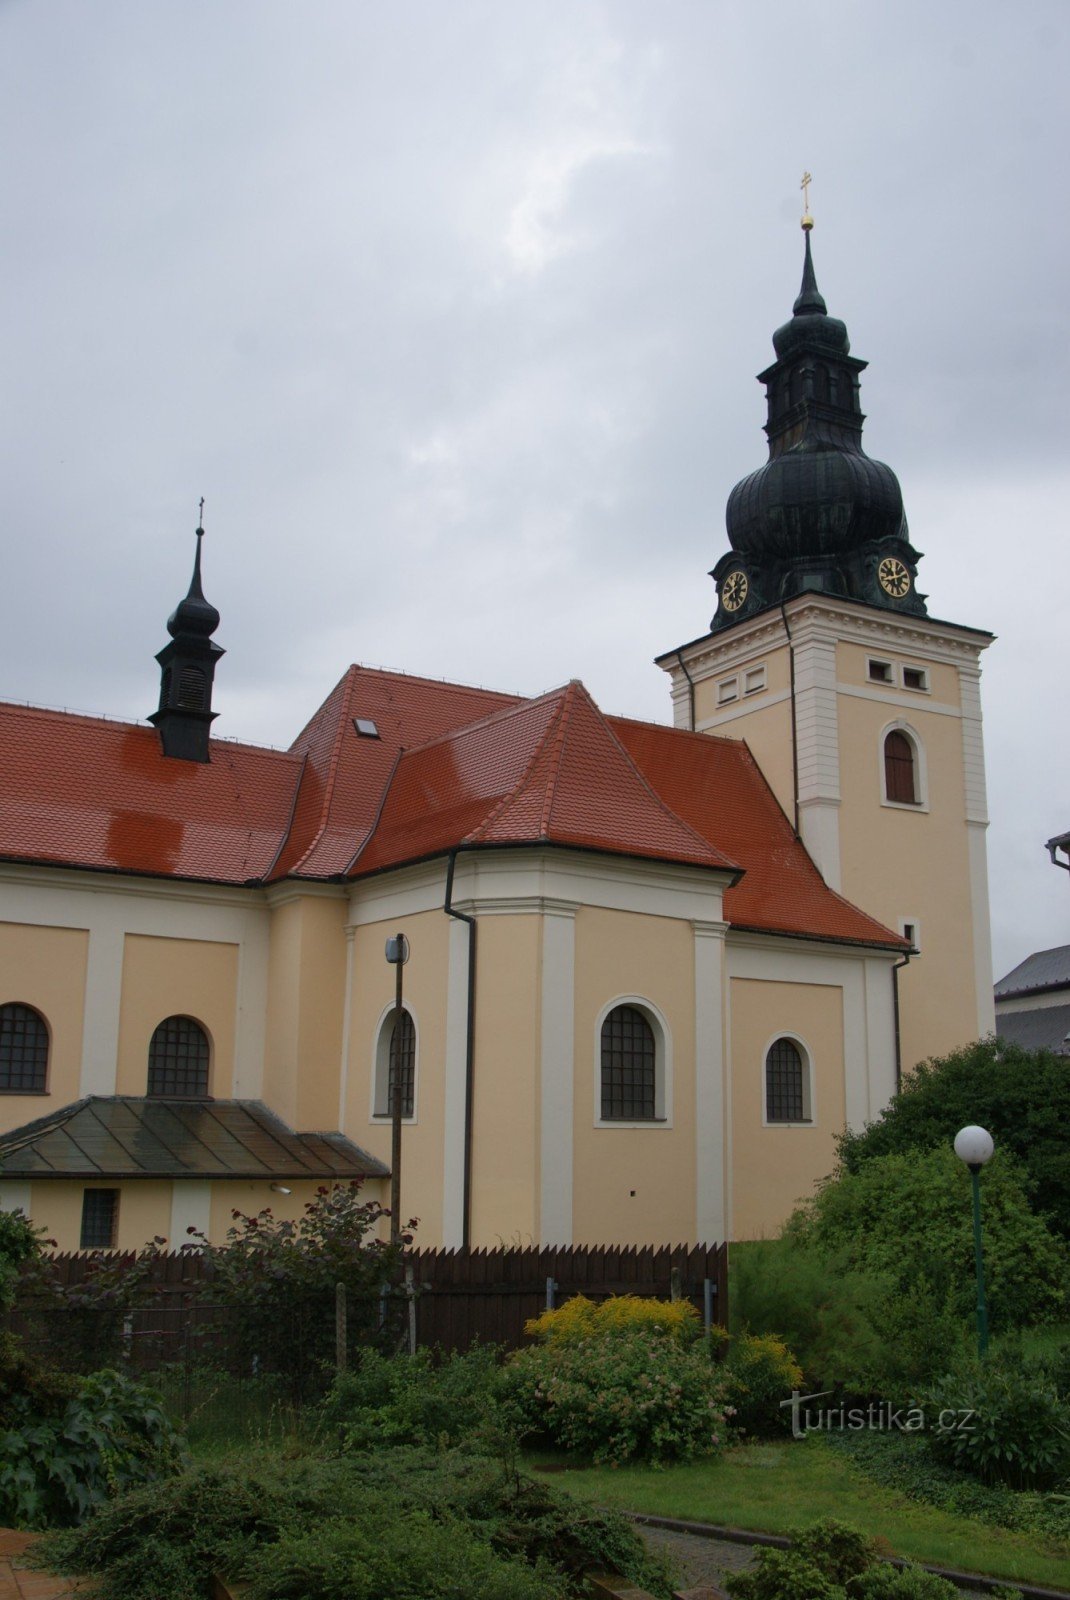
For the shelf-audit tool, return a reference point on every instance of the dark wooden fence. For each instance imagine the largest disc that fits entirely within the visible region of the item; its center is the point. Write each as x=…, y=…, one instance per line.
x=450, y=1298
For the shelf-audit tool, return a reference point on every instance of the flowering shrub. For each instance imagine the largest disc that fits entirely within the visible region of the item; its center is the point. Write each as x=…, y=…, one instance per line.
x=761, y=1372
x=580, y=1318
x=628, y=1396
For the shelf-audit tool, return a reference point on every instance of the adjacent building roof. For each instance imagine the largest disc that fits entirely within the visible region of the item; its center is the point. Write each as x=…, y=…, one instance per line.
x=1042, y=1028
x=395, y=769
x=122, y=1136
x=1044, y=969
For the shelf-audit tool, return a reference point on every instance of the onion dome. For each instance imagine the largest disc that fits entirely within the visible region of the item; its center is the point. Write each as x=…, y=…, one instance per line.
x=820, y=514
x=194, y=614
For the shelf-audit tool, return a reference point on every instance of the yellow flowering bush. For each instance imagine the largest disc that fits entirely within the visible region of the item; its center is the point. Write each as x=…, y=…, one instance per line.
x=580, y=1318
x=761, y=1372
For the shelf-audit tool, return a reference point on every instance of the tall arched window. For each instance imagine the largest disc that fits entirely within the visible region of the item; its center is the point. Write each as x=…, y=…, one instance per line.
x=23, y=1050
x=395, y=1067
x=629, y=1067
x=900, y=769
x=787, y=1083
x=178, y=1059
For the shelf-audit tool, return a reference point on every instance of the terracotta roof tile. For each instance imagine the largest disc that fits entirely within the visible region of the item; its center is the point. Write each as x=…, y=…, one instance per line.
x=716, y=785
x=81, y=791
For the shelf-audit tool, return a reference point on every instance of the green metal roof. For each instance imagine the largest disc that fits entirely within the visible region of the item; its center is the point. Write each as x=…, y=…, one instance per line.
x=126, y=1136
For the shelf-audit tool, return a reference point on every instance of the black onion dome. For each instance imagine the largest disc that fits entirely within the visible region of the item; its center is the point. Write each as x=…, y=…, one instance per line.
x=194, y=614
x=812, y=502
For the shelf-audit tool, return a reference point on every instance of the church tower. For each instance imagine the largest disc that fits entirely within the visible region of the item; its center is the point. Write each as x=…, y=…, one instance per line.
x=863, y=711
x=188, y=661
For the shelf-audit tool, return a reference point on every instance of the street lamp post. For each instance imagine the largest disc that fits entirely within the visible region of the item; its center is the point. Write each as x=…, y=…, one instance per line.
x=397, y=953
x=974, y=1146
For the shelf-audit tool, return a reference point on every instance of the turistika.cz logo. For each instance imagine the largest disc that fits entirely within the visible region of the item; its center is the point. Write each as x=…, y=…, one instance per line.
x=879, y=1416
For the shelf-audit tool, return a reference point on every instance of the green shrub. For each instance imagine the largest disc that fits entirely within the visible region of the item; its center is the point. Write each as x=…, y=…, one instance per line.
x=621, y=1397
x=908, y=1219
x=782, y=1575
x=760, y=1372
x=20, y=1241
x=413, y=1400
x=1021, y=1096
x=55, y=1469
x=580, y=1318
x=1006, y=1425
x=840, y=1552
x=906, y=1583
x=22, y=1375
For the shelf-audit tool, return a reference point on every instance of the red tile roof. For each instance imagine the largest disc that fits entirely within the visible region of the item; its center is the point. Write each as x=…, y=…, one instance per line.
x=547, y=771
x=716, y=785
x=83, y=792
x=452, y=767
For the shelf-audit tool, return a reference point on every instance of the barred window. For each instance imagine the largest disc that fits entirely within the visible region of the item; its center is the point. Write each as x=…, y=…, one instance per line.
x=629, y=1073
x=23, y=1050
x=396, y=1063
x=100, y=1213
x=178, y=1059
x=900, y=778
x=786, y=1083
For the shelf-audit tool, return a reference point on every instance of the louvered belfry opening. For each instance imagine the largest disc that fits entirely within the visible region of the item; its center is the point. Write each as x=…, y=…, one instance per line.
x=900, y=778
x=629, y=1067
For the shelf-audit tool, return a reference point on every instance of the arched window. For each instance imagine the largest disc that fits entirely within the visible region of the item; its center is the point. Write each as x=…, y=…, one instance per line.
x=900, y=769
x=395, y=1065
x=629, y=1067
x=787, y=1083
x=23, y=1050
x=178, y=1059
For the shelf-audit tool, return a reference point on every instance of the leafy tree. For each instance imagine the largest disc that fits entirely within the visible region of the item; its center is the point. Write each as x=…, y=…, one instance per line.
x=20, y=1241
x=908, y=1218
x=1021, y=1096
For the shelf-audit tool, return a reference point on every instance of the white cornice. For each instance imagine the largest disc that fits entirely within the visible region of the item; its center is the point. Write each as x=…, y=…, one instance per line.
x=800, y=944
x=41, y=876
x=288, y=890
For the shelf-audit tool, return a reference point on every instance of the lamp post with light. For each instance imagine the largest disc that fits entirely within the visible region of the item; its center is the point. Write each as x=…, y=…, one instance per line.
x=397, y=953
x=974, y=1146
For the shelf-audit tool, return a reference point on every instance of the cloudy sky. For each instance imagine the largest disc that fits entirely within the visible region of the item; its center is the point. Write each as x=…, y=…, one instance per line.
x=452, y=310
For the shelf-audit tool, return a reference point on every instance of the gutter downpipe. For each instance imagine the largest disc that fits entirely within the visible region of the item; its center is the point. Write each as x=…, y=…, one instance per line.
x=895, y=1005
x=794, y=737
x=690, y=689
x=469, y=1052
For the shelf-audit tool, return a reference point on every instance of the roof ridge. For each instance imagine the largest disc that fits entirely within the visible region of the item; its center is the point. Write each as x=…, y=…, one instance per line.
x=499, y=714
x=670, y=727
x=540, y=746
x=560, y=734
x=348, y=678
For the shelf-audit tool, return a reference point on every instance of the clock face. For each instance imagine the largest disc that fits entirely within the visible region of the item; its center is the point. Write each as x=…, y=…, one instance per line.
x=734, y=591
x=893, y=577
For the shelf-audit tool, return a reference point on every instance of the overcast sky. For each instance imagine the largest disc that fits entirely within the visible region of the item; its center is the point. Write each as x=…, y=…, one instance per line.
x=452, y=311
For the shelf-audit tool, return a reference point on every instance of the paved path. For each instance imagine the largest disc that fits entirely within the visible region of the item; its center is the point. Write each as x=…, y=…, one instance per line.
x=20, y=1583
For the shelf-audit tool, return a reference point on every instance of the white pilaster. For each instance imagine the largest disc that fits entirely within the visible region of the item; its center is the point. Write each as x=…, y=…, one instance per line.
x=456, y=1087
x=557, y=1074
x=880, y=1029
x=710, y=1177
x=347, y=1013
x=818, y=747
x=973, y=762
x=103, y=994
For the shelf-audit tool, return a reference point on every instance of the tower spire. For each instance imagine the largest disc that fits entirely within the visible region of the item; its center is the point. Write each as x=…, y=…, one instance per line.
x=188, y=662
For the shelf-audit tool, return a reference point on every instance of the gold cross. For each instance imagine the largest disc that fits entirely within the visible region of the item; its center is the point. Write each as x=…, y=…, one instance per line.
x=807, y=219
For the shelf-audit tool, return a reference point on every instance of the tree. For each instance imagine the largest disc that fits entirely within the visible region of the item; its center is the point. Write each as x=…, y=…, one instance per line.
x=1021, y=1096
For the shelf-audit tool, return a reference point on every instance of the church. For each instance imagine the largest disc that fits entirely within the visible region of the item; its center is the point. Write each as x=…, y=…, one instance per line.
x=650, y=971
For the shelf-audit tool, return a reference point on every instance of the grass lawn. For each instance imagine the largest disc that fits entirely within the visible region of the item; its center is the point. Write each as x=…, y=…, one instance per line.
x=777, y=1487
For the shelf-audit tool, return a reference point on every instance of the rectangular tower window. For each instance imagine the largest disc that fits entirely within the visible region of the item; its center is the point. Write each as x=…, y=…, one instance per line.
x=915, y=678
x=727, y=690
x=880, y=671
x=754, y=680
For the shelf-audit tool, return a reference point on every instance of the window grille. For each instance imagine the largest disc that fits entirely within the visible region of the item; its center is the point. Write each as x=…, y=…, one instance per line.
x=23, y=1050
x=100, y=1209
x=403, y=1068
x=784, y=1101
x=628, y=1066
x=178, y=1059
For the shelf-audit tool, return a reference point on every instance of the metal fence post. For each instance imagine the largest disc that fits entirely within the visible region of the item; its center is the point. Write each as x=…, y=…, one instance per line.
x=551, y=1290
x=675, y=1284
x=410, y=1295
x=707, y=1304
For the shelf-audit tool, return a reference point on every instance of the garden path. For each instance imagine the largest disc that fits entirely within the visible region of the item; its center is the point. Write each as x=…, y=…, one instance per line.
x=20, y=1583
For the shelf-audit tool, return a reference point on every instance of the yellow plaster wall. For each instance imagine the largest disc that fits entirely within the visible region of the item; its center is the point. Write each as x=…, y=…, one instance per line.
x=176, y=977
x=774, y=1167
x=425, y=988
x=852, y=666
x=899, y=863
x=765, y=727
x=144, y=1210
x=621, y=953
x=306, y=1003
x=46, y=968
x=505, y=1127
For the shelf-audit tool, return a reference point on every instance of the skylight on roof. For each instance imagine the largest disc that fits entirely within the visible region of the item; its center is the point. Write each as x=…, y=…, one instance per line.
x=366, y=728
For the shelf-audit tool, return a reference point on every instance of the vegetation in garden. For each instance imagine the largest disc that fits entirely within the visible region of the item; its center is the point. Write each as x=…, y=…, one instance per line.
x=760, y=1373
x=1018, y=1430
x=580, y=1318
x=830, y=1561
x=358, y=1527
x=1021, y=1096
x=20, y=1242
x=421, y=1399
x=63, y=1454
